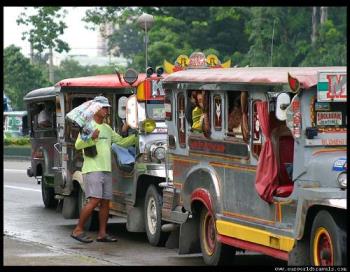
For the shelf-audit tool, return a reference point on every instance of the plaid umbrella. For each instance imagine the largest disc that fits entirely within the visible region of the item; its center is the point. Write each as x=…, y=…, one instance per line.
x=83, y=115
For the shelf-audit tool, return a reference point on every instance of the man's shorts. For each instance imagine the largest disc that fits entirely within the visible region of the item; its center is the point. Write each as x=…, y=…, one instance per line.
x=98, y=185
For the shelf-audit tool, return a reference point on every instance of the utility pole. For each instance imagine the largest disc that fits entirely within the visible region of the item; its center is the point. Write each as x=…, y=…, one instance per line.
x=51, y=74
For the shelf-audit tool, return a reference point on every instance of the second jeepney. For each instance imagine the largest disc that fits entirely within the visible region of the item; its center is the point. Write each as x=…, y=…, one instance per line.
x=137, y=99
x=266, y=170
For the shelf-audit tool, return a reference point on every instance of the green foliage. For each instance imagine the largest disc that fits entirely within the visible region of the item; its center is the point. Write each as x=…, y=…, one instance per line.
x=20, y=76
x=10, y=140
x=71, y=68
x=254, y=36
x=45, y=28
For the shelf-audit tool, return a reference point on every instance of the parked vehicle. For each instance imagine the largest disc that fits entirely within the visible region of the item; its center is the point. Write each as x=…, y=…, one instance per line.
x=135, y=99
x=15, y=123
x=42, y=140
x=276, y=185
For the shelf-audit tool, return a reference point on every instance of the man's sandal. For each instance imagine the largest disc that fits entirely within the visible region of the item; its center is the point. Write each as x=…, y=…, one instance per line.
x=107, y=238
x=82, y=237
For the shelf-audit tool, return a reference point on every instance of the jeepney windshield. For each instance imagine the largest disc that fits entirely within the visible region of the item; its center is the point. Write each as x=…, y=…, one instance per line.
x=155, y=110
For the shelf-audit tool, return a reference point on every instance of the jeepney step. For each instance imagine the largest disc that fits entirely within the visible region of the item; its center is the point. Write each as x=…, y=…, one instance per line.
x=169, y=227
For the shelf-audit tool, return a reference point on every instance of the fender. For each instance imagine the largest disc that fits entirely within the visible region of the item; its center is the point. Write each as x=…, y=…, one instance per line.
x=78, y=176
x=305, y=204
x=204, y=196
x=198, y=182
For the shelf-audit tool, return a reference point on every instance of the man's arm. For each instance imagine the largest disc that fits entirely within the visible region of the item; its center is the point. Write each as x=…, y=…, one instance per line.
x=124, y=142
x=80, y=144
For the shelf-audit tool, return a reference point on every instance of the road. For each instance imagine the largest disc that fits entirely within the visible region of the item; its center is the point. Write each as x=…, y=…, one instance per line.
x=34, y=235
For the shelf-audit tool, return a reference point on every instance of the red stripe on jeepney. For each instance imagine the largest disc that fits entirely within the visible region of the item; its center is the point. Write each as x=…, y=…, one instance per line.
x=226, y=157
x=203, y=196
x=329, y=150
x=248, y=218
x=250, y=168
x=283, y=255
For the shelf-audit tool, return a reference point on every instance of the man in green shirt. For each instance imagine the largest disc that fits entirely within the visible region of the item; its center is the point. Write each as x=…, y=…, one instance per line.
x=97, y=173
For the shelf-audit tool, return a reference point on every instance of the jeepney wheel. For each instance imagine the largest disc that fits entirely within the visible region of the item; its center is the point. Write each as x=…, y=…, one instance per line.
x=214, y=253
x=328, y=240
x=92, y=223
x=153, y=217
x=48, y=194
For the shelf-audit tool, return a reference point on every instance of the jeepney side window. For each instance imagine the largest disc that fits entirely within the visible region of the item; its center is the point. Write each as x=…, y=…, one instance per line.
x=198, y=112
x=256, y=130
x=44, y=116
x=181, y=124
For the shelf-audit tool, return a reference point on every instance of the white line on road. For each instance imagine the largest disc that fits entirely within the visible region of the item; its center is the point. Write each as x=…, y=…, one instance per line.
x=15, y=170
x=22, y=188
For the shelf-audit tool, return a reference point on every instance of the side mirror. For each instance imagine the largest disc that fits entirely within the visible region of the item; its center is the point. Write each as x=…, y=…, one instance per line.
x=283, y=101
x=131, y=112
x=122, y=107
x=130, y=76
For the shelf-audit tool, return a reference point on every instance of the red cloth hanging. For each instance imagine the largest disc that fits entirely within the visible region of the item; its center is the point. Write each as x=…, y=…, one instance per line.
x=266, y=180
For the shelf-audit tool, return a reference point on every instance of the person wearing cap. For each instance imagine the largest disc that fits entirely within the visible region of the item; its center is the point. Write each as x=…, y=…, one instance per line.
x=97, y=173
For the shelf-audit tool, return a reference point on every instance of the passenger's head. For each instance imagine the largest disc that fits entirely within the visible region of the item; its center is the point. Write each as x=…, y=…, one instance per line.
x=200, y=100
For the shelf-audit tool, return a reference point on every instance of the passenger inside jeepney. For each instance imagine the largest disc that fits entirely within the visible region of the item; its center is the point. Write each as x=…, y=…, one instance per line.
x=191, y=104
x=235, y=117
x=238, y=115
x=200, y=114
x=44, y=117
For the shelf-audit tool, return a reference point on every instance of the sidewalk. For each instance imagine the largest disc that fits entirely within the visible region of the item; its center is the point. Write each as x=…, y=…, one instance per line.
x=19, y=252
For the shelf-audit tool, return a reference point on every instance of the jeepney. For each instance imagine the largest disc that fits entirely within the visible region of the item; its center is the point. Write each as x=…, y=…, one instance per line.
x=135, y=98
x=42, y=140
x=278, y=185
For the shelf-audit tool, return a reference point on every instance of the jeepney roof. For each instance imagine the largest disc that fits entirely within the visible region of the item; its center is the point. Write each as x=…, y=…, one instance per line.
x=103, y=81
x=41, y=94
x=307, y=76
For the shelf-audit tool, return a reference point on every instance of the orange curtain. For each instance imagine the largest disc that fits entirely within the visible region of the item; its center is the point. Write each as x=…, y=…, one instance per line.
x=266, y=180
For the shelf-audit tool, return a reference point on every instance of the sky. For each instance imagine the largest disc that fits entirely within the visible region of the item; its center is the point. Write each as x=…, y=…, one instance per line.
x=80, y=39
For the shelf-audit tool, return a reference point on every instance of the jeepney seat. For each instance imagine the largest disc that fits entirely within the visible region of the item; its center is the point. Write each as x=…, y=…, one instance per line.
x=283, y=145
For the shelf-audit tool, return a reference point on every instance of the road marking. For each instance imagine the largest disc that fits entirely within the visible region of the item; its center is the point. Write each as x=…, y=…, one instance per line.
x=15, y=170
x=22, y=188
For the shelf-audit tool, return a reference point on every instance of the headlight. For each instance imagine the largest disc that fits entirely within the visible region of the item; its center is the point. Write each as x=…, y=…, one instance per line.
x=342, y=179
x=159, y=153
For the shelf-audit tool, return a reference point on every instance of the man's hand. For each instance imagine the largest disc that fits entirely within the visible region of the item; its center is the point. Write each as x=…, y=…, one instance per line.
x=95, y=134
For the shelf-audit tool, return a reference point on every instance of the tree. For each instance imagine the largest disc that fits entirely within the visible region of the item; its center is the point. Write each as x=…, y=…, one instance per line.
x=47, y=26
x=20, y=76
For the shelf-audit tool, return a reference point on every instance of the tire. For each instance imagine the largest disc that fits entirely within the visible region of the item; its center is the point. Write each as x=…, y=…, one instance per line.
x=153, y=217
x=48, y=194
x=328, y=240
x=70, y=206
x=92, y=223
x=300, y=255
x=214, y=253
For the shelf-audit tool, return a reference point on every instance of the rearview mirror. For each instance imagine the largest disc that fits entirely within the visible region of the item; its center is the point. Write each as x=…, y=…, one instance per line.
x=122, y=107
x=131, y=111
x=283, y=101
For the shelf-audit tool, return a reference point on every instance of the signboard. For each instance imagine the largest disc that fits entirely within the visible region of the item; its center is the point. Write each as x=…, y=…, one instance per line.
x=13, y=123
x=329, y=118
x=331, y=86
